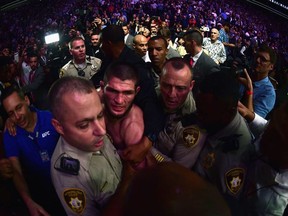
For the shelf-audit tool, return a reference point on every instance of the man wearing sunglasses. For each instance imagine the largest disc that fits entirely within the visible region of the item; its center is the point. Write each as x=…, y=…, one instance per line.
x=81, y=64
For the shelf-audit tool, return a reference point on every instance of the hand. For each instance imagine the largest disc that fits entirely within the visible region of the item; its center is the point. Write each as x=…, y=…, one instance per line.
x=245, y=112
x=137, y=153
x=98, y=21
x=6, y=169
x=246, y=81
x=10, y=126
x=36, y=210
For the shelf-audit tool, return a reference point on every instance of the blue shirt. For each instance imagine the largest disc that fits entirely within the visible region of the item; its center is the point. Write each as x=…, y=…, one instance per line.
x=34, y=150
x=264, y=96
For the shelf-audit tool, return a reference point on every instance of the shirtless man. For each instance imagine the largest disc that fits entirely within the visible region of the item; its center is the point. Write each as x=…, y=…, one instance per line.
x=124, y=120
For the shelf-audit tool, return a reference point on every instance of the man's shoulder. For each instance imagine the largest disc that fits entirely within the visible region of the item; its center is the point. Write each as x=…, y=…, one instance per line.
x=67, y=65
x=135, y=115
x=44, y=115
x=93, y=60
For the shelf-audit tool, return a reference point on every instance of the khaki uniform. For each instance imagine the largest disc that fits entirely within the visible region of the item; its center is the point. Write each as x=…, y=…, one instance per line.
x=85, y=192
x=92, y=66
x=173, y=131
x=224, y=161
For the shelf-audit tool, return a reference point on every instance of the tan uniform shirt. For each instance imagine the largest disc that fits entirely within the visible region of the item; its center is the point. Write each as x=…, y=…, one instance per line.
x=92, y=66
x=97, y=179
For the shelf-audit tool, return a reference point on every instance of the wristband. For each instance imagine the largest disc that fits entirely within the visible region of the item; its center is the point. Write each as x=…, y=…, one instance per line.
x=249, y=92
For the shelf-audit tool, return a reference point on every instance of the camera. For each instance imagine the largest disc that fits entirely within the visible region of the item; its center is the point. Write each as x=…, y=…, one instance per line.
x=238, y=66
x=70, y=165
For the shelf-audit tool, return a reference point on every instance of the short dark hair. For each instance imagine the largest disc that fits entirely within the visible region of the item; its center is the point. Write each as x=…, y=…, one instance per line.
x=194, y=35
x=74, y=39
x=10, y=90
x=32, y=55
x=159, y=37
x=165, y=32
x=68, y=84
x=113, y=33
x=223, y=85
x=270, y=51
x=96, y=32
x=123, y=71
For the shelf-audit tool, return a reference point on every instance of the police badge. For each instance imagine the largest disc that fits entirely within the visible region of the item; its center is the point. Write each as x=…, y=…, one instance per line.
x=234, y=179
x=190, y=136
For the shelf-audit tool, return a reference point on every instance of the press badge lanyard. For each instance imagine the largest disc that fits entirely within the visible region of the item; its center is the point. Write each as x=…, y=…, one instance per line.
x=43, y=153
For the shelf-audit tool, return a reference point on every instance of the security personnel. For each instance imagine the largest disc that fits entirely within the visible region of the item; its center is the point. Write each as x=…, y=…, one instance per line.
x=226, y=154
x=85, y=180
x=175, y=95
x=81, y=64
x=86, y=168
x=182, y=144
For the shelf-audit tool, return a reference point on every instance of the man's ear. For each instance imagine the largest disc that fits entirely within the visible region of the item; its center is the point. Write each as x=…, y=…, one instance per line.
x=271, y=67
x=192, y=83
x=137, y=89
x=102, y=85
x=27, y=100
x=57, y=125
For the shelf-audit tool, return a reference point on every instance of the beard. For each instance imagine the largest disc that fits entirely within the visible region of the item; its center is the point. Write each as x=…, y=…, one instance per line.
x=112, y=115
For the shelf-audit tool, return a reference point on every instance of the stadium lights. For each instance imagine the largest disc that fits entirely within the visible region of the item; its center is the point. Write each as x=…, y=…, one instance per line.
x=52, y=38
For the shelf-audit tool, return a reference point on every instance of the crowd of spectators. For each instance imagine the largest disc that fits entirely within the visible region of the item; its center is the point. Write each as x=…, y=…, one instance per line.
x=24, y=28
x=27, y=25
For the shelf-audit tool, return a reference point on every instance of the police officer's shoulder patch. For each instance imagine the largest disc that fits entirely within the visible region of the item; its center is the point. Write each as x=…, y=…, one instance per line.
x=75, y=199
x=61, y=72
x=190, y=136
x=234, y=179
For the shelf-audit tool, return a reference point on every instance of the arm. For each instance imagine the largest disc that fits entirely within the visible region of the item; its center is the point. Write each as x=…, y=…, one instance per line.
x=6, y=169
x=256, y=123
x=22, y=188
x=222, y=54
x=247, y=99
x=133, y=128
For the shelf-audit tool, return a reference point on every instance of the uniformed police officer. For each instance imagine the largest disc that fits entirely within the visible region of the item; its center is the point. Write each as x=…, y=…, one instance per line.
x=86, y=168
x=81, y=64
x=226, y=154
x=175, y=95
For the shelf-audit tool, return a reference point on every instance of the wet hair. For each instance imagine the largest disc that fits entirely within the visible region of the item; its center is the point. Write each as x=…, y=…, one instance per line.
x=113, y=33
x=194, y=35
x=68, y=84
x=123, y=71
